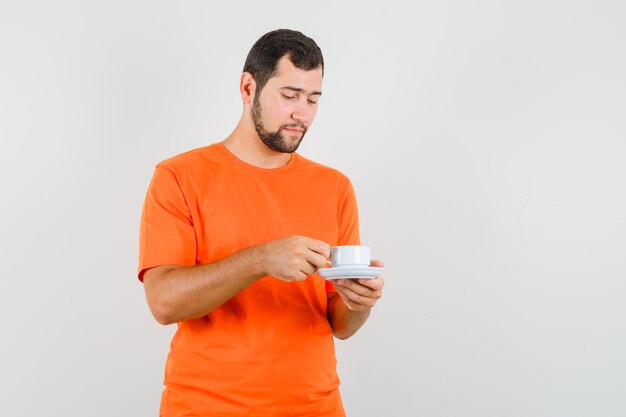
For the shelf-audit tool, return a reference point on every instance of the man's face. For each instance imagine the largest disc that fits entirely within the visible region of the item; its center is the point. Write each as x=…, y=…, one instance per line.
x=285, y=108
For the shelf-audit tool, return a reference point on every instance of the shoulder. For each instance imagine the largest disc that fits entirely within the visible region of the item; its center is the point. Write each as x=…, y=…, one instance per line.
x=322, y=171
x=191, y=159
x=192, y=169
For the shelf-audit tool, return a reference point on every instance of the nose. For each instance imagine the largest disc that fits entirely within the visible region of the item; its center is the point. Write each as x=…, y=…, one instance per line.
x=301, y=113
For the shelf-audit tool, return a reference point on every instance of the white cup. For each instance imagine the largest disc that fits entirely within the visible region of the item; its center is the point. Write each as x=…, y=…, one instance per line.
x=350, y=256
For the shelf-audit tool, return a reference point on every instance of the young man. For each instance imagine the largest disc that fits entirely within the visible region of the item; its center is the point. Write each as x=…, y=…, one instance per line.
x=232, y=235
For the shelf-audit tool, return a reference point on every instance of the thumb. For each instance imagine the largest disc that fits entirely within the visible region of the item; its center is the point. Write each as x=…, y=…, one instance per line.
x=377, y=263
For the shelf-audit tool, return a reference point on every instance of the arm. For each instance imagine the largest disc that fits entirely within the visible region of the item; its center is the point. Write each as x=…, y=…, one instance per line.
x=178, y=293
x=349, y=308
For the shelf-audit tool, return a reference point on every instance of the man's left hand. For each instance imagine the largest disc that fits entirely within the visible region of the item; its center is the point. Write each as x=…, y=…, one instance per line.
x=361, y=294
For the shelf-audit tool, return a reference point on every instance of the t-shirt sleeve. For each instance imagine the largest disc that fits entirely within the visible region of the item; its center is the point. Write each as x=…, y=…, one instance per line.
x=347, y=218
x=166, y=234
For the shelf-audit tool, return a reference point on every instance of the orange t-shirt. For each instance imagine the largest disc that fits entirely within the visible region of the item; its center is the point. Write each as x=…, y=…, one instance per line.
x=268, y=351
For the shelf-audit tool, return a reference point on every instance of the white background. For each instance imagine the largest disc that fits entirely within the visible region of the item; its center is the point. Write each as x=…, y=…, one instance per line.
x=486, y=141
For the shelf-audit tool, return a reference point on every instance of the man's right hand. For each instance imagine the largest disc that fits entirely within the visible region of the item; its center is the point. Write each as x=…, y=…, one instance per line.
x=295, y=257
x=177, y=293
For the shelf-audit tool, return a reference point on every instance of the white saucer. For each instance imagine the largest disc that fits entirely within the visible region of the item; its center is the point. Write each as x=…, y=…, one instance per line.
x=337, y=272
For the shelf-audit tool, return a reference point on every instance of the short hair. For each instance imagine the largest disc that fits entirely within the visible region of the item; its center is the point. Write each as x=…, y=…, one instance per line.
x=263, y=58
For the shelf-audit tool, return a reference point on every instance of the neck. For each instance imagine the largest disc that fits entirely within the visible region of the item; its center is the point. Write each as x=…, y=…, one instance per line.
x=245, y=144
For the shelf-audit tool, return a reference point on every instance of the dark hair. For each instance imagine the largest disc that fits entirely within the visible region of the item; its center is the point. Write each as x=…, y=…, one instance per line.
x=262, y=59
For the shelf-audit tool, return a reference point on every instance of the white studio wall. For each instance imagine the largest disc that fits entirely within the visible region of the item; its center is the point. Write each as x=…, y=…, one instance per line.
x=486, y=142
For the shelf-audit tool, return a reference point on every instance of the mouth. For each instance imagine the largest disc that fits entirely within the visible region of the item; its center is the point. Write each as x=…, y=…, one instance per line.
x=294, y=131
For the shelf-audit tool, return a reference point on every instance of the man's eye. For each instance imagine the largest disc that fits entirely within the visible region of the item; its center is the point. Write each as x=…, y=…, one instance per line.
x=312, y=101
x=288, y=97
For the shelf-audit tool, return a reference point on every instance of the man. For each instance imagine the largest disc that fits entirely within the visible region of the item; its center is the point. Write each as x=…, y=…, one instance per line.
x=232, y=235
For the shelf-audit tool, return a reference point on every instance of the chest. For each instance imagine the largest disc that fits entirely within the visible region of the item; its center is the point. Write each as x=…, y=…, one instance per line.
x=242, y=211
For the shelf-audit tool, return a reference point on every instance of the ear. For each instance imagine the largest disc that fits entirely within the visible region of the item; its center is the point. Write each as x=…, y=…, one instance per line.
x=247, y=88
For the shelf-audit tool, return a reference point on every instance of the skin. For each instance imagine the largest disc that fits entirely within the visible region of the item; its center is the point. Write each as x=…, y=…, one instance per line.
x=175, y=293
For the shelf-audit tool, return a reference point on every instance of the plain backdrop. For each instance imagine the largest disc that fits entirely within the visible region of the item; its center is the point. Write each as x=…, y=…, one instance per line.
x=486, y=141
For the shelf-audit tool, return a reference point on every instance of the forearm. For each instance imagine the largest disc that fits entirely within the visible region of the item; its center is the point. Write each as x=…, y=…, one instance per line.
x=176, y=294
x=345, y=322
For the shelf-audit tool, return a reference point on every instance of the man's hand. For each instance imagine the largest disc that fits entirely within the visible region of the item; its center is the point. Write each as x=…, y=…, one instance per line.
x=176, y=293
x=294, y=258
x=361, y=294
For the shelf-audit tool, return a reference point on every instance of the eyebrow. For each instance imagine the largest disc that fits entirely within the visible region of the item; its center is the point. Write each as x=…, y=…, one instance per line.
x=302, y=90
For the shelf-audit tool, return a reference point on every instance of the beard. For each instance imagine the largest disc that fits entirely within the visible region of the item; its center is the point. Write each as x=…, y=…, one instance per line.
x=275, y=140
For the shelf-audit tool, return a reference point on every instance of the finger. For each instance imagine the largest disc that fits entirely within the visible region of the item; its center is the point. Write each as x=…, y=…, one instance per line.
x=316, y=260
x=355, y=286
x=352, y=305
x=356, y=298
x=367, y=288
x=307, y=268
x=375, y=284
x=301, y=276
x=377, y=263
x=319, y=247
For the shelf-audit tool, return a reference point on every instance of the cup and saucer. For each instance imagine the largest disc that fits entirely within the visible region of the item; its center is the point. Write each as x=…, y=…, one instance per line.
x=350, y=262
